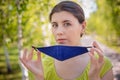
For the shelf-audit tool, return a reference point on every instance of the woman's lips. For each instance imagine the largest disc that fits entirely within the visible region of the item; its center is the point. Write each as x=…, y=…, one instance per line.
x=61, y=41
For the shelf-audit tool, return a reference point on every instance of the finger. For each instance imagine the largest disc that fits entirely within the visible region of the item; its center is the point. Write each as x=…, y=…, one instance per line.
x=23, y=61
x=97, y=46
x=101, y=57
x=38, y=55
x=30, y=55
x=92, y=57
x=24, y=56
x=92, y=50
x=93, y=60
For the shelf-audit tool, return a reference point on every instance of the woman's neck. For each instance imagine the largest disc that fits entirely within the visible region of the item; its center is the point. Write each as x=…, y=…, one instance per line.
x=72, y=44
x=74, y=59
x=73, y=67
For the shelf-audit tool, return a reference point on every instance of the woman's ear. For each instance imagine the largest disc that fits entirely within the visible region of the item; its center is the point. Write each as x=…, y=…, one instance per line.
x=83, y=25
x=83, y=28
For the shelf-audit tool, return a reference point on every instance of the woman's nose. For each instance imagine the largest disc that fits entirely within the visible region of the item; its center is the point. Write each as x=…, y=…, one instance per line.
x=60, y=31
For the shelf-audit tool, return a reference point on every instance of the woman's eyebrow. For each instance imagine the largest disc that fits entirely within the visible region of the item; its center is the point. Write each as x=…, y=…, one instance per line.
x=53, y=22
x=66, y=21
x=62, y=21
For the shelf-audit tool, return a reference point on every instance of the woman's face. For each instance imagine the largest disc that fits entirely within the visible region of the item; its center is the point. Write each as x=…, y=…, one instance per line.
x=66, y=28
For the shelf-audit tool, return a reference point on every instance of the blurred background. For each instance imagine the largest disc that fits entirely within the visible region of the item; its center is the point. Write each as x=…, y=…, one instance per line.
x=24, y=23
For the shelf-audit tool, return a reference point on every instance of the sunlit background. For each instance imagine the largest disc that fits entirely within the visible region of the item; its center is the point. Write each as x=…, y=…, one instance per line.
x=24, y=23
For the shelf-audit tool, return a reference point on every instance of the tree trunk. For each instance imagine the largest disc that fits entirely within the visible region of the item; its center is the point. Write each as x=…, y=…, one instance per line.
x=9, y=69
x=20, y=43
x=3, y=17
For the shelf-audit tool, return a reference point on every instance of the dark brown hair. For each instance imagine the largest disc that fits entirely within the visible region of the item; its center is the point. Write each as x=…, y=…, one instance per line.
x=71, y=7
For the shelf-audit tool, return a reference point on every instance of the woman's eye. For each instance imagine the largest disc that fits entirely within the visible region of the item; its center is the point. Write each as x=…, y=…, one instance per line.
x=67, y=24
x=54, y=25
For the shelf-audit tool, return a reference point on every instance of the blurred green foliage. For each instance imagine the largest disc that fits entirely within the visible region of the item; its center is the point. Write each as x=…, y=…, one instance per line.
x=105, y=22
x=35, y=30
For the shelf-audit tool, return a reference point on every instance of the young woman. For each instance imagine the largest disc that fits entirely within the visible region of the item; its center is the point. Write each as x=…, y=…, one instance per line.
x=68, y=26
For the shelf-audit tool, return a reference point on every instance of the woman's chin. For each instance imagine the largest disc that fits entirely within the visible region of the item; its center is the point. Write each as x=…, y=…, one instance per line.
x=67, y=44
x=62, y=43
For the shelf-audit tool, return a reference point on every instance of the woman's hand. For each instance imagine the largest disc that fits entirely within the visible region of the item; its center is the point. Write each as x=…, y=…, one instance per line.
x=96, y=63
x=35, y=66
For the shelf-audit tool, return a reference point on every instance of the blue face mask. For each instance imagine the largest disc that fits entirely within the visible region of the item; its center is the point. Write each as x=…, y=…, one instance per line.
x=61, y=52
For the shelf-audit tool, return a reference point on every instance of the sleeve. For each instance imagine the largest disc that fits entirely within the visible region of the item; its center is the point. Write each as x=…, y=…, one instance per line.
x=106, y=67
